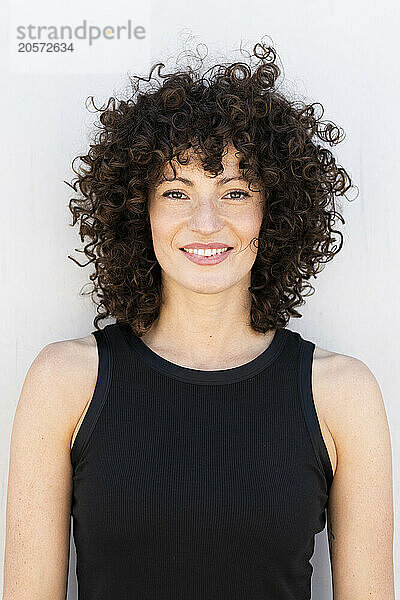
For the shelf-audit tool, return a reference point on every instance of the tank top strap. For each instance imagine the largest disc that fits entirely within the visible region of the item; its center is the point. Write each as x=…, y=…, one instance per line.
x=306, y=354
x=100, y=393
x=118, y=342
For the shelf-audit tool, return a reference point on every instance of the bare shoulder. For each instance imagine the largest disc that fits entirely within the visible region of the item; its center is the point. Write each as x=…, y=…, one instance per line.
x=69, y=368
x=343, y=383
x=346, y=393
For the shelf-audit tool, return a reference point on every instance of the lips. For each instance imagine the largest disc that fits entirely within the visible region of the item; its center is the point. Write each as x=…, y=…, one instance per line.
x=207, y=258
x=209, y=246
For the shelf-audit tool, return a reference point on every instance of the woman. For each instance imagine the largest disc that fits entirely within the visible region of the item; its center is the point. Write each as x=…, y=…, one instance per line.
x=196, y=440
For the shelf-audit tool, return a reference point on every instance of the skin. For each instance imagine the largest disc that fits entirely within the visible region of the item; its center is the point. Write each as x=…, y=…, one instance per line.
x=206, y=309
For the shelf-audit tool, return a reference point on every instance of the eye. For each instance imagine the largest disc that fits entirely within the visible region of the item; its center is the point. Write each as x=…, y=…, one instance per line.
x=167, y=194
x=238, y=192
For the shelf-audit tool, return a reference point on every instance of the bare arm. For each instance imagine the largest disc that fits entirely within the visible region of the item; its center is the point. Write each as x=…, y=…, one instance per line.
x=40, y=478
x=360, y=512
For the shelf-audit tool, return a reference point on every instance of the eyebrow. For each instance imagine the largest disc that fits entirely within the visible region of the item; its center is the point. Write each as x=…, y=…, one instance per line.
x=190, y=183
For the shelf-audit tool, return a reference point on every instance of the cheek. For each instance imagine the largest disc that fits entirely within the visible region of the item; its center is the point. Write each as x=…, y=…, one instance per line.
x=162, y=228
x=249, y=225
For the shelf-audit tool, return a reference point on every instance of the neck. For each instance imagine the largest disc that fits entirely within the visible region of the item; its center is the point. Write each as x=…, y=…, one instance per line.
x=206, y=331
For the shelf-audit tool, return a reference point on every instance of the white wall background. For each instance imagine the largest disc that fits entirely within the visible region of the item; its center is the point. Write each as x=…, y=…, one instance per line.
x=340, y=53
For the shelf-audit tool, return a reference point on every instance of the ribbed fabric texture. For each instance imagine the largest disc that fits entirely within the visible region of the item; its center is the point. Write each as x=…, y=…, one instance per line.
x=191, y=484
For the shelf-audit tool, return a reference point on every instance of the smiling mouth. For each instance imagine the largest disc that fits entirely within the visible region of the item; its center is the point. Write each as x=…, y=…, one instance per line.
x=206, y=251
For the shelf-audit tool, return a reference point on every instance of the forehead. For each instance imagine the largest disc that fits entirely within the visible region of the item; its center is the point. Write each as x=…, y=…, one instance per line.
x=194, y=169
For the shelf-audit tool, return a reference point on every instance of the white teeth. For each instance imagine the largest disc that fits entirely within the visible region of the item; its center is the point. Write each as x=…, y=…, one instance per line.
x=205, y=252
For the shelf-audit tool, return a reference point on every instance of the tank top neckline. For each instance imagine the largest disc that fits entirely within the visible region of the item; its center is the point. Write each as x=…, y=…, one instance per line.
x=199, y=376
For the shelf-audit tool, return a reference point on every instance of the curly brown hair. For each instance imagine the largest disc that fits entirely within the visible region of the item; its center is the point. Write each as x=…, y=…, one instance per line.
x=278, y=141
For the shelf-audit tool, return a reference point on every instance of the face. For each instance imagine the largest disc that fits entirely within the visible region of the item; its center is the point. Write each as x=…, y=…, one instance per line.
x=197, y=208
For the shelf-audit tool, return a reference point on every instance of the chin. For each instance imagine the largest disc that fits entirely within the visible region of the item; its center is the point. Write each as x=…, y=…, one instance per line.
x=205, y=285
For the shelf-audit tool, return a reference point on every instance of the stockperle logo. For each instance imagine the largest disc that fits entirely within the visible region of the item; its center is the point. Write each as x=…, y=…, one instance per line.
x=89, y=33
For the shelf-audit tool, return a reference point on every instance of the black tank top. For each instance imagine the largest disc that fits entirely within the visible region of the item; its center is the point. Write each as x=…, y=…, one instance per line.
x=192, y=484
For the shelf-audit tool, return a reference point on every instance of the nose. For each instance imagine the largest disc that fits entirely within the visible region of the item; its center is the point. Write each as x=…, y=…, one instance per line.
x=205, y=218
